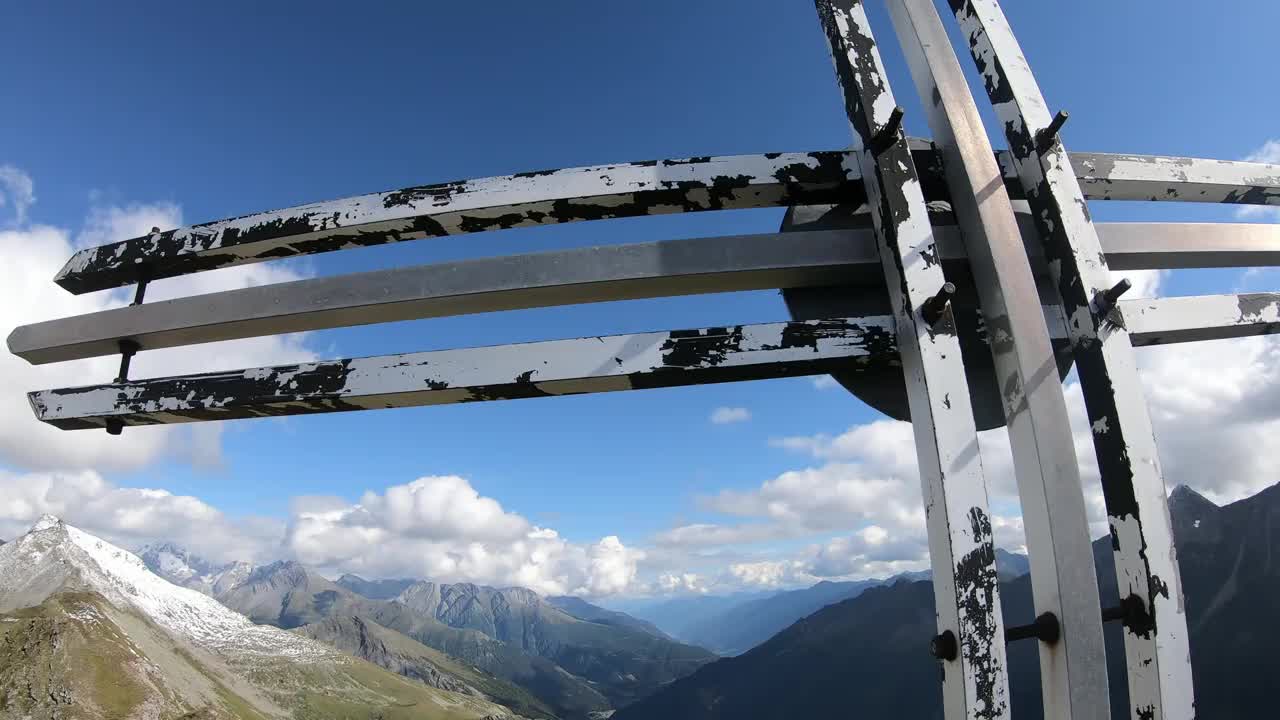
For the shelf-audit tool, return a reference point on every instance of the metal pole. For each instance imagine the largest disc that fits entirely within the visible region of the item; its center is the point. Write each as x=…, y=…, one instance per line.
x=970, y=639
x=1073, y=669
x=1156, y=642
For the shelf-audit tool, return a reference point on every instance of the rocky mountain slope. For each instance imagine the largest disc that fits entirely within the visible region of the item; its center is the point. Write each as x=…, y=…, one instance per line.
x=287, y=595
x=87, y=631
x=868, y=654
x=625, y=664
x=188, y=570
x=584, y=610
x=401, y=654
x=373, y=589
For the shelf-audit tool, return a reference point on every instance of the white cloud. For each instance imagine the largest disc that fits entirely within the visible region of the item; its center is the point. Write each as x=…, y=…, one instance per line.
x=727, y=415
x=682, y=584
x=711, y=534
x=435, y=527
x=771, y=573
x=439, y=527
x=1269, y=152
x=33, y=254
x=132, y=516
x=16, y=192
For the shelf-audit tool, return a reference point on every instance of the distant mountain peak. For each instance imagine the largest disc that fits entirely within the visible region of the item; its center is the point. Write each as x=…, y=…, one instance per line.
x=1185, y=495
x=55, y=557
x=46, y=522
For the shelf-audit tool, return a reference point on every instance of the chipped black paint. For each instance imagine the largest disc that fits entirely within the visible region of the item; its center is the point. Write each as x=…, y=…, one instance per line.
x=1092, y=322
x=309, y=230
x=687, y=357
x=1253, y=306
x=975, y=580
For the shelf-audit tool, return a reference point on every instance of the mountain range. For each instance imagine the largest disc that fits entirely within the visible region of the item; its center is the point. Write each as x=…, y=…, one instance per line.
x=87, y=631
x=869, y=652
x=733, y=624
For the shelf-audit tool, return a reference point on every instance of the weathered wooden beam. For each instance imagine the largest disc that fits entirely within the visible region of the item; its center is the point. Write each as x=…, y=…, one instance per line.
x=504, y=372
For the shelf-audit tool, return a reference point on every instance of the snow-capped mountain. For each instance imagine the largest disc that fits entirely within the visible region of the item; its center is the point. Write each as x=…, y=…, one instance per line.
x=54, y=555
x=182, y=567
x=87, y=630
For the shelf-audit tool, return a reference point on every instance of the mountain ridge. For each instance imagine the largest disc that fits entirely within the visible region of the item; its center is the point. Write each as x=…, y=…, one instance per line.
x=87, y=631
x=870, y=650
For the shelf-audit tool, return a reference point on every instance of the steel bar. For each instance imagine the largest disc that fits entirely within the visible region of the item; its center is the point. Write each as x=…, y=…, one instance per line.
x=504, y=372
x=1178, y=246
x=1151, y=322
x=468, y=206
x=607, y=191
x=1156, y=643
x=1207, y=317
x=1072, y=670
x=961, y=547
x=616, y=272
x=1110, y=176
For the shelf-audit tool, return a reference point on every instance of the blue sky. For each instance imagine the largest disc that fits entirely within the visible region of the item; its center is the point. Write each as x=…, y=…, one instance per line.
x=230, y=108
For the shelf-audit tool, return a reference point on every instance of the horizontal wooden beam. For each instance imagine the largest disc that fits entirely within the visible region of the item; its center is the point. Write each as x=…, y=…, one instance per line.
x=608, y=191
x=606, y=273
x=505, y=372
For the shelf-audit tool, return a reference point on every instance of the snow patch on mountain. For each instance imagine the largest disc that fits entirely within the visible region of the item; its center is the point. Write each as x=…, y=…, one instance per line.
x=55, y=556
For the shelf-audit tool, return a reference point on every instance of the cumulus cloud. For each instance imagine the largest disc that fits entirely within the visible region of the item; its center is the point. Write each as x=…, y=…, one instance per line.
x=17, y=192
x=727, y=415
x=132, y=516
x=771, y=573
x=440, y=527
x=33, y=254
x=712, y=534
x=682, y=584
x=1268, y=152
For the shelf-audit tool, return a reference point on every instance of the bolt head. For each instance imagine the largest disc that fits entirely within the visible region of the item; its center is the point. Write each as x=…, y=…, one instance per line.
x=943, y=646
